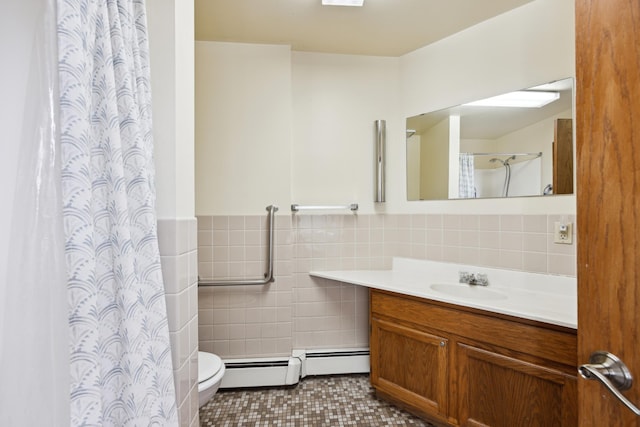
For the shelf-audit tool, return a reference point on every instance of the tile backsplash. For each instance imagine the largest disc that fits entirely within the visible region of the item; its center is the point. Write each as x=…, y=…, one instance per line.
x=297, y=311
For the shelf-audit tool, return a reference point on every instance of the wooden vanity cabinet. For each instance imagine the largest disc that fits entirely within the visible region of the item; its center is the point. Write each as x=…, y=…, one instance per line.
x=459, y=366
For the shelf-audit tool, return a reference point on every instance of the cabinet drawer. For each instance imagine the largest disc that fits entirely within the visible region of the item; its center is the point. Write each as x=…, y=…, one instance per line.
x=536, y=339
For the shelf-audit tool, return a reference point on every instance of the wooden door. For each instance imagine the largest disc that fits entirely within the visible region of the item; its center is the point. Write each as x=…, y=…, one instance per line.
x=608, y=198
x=563, y=156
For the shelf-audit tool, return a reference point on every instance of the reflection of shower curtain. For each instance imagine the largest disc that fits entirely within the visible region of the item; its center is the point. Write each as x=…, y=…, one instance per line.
x=466, y=182
x=121, y=368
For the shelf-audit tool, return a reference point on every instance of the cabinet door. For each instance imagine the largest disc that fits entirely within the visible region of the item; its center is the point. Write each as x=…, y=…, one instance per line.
x=497, y=390
x=409, y=365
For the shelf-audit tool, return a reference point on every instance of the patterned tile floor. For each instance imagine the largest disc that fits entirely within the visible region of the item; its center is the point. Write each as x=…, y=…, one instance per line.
x=345, y=400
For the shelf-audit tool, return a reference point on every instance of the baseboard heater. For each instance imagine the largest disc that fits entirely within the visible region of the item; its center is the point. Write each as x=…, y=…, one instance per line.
x=270, y=372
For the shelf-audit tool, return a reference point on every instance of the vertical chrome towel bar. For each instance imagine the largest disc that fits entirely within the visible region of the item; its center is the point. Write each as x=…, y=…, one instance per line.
x=268, y=276
x=381, y=160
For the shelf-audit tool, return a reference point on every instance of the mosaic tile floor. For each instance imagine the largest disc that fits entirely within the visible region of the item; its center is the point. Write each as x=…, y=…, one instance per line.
x=316, y=401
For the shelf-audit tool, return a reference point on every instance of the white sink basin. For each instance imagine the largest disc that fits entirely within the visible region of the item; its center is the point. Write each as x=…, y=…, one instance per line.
x=468, y=291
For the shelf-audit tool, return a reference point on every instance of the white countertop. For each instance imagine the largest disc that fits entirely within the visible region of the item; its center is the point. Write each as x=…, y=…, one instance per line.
x=541, y=297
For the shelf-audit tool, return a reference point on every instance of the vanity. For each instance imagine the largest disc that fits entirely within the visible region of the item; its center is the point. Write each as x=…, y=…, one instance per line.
x=457, y=354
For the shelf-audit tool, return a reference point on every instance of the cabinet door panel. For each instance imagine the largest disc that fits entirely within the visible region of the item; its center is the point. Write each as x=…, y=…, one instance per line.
x=497, y=390
x=410, y=365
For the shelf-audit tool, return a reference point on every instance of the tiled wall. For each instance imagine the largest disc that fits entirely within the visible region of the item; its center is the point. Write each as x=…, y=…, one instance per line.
x=297, y=311
x=245, y=321
x=178, y=250
x=516, y=242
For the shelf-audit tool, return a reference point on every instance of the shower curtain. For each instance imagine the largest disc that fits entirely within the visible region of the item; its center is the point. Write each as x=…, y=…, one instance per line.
x=34, y=326
x=466, y=182
x=120, y=356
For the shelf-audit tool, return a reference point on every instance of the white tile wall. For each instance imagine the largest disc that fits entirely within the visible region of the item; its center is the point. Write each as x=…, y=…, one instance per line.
x=297, y=311
x=178, y=243
x=245, y=321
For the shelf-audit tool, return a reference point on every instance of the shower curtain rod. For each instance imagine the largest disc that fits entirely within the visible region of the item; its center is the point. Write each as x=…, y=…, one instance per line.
x=538, y=154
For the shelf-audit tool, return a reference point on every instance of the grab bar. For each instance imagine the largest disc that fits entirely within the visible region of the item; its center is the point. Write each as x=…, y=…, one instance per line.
x=268, y=276
x=296, y=208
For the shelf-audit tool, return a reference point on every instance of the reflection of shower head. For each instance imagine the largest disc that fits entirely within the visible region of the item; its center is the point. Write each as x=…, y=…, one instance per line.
x=410, y=133
x=507, y=172
x=504, y=162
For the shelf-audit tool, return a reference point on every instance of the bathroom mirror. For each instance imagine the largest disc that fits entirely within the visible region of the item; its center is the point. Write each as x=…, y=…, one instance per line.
x=513, y=145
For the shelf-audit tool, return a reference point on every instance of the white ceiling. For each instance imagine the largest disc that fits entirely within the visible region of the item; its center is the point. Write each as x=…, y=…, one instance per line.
x=380, y=27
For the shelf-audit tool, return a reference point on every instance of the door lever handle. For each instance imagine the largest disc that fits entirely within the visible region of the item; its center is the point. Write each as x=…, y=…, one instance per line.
x=612, y=373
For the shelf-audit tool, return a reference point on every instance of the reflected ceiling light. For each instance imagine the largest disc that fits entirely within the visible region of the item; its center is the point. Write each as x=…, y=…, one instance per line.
x=522, y=98
x=342, y=2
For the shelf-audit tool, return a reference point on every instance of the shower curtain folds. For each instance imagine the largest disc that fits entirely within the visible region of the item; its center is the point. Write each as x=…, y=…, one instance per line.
x=121, y=366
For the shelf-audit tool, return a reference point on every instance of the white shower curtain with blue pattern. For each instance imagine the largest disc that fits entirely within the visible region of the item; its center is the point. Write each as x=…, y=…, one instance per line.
x=466, y=179
x=121, y=366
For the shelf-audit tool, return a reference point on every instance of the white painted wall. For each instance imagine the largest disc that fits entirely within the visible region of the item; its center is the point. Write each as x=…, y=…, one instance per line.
x=280, y=126
x=414, y=154
x=336, y=99
x=525, y=180
x=434, y=165
x=275, y=126
x=526, y=46
x=534, y=138
x=454, y=156
x=171, y=30
x=243, y=128
x=531, y=139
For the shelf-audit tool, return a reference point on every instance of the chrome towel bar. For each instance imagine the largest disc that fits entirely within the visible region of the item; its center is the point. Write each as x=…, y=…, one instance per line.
x=297, y=208
x=268, y=276
x=537, y=154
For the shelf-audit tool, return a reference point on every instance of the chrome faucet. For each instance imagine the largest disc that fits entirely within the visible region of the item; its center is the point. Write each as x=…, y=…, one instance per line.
x=478, y=279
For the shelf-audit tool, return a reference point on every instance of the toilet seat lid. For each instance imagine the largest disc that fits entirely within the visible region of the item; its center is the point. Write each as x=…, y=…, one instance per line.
x=208, y=365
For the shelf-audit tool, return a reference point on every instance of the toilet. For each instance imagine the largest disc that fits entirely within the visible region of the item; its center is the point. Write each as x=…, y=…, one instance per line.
x=210, y=373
